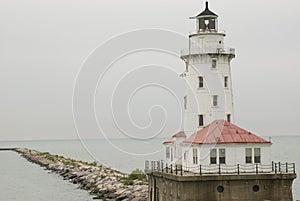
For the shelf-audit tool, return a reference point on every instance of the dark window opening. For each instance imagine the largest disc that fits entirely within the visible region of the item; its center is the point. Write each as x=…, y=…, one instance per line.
x=248, y=155
x=255, y=188
x=226, y=82
x=222, y=157
x=201, y=82
x=228, y=117
x=256, y=155
x=201, y=120
x=214, y=63
x=213, y=156
x=220, y=189
x=215, y=100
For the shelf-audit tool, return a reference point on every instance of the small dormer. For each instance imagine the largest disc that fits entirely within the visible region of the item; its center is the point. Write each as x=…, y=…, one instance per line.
x=207, y=21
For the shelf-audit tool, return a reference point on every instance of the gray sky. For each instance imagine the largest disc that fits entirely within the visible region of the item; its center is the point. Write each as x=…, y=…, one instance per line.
x=45, y=42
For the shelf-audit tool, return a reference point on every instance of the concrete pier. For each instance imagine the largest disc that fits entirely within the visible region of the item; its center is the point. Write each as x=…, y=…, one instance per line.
x=7, y=149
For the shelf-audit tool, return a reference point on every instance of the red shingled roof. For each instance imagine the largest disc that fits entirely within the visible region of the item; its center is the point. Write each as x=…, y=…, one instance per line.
x=179, y=134
x=223, y=132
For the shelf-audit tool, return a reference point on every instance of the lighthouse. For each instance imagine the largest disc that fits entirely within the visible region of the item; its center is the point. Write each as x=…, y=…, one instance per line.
x=211, y=158
x=207, y=75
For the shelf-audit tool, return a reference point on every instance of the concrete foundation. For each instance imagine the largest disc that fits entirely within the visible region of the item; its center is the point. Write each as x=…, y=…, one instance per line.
x=262, y=187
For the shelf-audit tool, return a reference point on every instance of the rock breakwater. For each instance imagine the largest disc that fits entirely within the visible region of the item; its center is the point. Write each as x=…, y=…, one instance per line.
x=102, y=182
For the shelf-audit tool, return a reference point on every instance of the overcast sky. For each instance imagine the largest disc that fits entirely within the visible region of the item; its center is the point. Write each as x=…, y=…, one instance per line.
x=43, y=44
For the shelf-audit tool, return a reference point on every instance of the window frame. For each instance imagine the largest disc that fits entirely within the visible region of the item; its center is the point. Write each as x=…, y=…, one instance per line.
x=200, y=120
x=226, y=79
x=215, y=101
x=257, y=158
x=248, y=158
x=213, y=157
x=195, y=156
x=200, y=82
x=214, y=63
x=222, y=156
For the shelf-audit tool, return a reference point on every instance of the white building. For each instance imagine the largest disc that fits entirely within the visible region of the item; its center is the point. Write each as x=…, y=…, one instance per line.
x=213, y=141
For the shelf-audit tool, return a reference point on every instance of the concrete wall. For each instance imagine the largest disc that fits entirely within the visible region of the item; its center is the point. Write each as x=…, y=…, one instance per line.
x=272, y=187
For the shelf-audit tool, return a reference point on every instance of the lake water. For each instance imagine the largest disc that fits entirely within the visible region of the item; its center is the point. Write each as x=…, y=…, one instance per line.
x=21, y=180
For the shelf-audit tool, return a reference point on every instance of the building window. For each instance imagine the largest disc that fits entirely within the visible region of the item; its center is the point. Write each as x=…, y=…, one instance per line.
x=184, y=156
x=168, y=152
x=201, y=82
x=201, y=120
x=222, y=156
x=214, y=63
x=213, y=156
x=195, y=156
x=248, y=155
x=225, y=81
x=257, y=155
x=171, y=154
x=215, y=100
x=185, y=102
x=228, y=117
x=186, y=67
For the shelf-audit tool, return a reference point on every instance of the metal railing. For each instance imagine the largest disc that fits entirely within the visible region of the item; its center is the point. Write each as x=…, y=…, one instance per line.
x=221, y=169
x=193, y=51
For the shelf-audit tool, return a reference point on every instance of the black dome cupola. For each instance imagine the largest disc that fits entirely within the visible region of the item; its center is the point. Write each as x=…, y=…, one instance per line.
x=207, y=20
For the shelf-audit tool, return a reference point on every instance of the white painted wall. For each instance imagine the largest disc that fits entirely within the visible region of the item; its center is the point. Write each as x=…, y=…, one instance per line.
x=235, y=154
x=199, y=61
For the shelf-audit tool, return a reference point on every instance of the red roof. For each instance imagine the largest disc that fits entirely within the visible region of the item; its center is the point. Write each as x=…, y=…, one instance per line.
x=179, y=134
x=223, y=132
x=168, y=142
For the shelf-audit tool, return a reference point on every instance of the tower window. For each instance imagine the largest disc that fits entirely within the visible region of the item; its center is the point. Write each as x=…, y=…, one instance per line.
x=213, y=156
x=185, y=102
x=215, y=100
x=201, y=120
x=214, y=63
x=248, y=155
x=228, y=117
x=195, y=156
x=222, y=156
x=256, y=155
x=186, y=67
x=226, y=81
x=201, y=82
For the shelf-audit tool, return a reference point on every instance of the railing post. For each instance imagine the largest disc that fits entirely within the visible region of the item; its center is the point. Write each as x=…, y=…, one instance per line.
x=219, y=168
x=238, y=169
x=272, y=166
x=200, y=169
x=279, y=167
x=256, y=168
x=294, y=168
x=286, y=167
x=275, y=168
x=181, y=170
x=167, y=171
x=171, y=169
x=176, y=169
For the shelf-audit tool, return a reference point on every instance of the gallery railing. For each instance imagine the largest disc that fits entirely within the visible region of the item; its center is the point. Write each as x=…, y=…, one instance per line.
x=221, y=169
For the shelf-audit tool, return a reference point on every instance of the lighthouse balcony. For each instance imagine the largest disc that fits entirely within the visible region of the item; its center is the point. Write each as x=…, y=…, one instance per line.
x=197, y=51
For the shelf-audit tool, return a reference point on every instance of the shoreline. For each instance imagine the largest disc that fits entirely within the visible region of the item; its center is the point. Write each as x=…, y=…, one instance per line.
x=102, y=182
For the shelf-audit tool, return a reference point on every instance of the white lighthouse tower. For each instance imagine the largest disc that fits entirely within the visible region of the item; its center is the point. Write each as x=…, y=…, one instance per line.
x=208, y=76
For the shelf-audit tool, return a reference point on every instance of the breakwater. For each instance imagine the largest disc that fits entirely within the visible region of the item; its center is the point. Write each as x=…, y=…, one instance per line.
x=102, y=182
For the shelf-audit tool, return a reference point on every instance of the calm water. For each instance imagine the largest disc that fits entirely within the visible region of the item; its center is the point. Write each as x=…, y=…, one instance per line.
x=21, y=179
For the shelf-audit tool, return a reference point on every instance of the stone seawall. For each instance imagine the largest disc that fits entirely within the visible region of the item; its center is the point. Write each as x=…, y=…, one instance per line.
x=105, y=183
